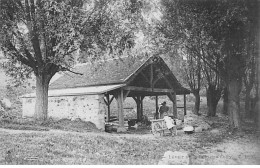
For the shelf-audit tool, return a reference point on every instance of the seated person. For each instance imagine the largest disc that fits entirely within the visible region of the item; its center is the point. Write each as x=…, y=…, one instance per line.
x=170, y=124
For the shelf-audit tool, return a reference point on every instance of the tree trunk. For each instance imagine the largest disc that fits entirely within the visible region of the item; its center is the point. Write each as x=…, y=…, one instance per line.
x=248, y=107
x=234, y=88
x=225, y=101
x=197, y=102
x=41, y=106
x=257, y=115
x=257, y=99
x=213, y=96
x=257, y=105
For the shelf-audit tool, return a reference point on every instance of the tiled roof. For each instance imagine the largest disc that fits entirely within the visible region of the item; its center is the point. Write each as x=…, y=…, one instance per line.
x=113, y=71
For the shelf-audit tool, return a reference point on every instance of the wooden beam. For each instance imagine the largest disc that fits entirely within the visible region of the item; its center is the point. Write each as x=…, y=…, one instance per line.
x=126, y=94
x=142, y=98
x=132, y=76
x=111, y=99
x=135, y=98
x=167, y=81
x=145, y=77
x=108, y=101
x=105, y=101
x=156, y=80
x=134, y=88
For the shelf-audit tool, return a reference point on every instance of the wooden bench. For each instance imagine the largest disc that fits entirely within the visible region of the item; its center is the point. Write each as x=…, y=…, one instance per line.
x=159, y=126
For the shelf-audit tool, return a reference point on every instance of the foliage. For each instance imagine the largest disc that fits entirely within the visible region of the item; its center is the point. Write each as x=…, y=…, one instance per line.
x=111, y=29
x=39, y=35
x=215, y=32
x=44, y=37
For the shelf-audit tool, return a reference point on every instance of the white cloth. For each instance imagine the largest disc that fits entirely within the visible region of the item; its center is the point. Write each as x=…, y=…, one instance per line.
x=169, y=122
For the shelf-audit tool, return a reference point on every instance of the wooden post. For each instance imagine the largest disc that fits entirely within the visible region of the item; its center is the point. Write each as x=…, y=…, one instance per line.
x=184, y=101
x=156, y=104
x=172, y=97
x=156, y=107
x=142, y=109
x=108, y=102
x=139, y=106
x=174, y=107
x=121, y=121
x=139, y=112
x=108, y=107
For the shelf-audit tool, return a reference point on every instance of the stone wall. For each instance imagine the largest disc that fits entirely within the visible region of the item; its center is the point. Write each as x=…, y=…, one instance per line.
x=86, y=107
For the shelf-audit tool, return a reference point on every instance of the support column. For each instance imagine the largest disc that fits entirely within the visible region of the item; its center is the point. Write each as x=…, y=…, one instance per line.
x=184, y=101
x=120, y=100
x=172, y=97
x=108, y=108
x=138, y=108
x=141, y=108
x=108, y=102
x=175, y=115
x=156, y=108
x=138, y=100
x=156, y=104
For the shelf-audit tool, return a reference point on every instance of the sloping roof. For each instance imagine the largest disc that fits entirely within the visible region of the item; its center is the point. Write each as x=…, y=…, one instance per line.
x=124, y=70
x=78, y=91
x=113, y=71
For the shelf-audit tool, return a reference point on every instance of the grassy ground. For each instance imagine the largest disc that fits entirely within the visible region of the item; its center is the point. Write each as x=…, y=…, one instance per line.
x=65, y=147
x=68, y=142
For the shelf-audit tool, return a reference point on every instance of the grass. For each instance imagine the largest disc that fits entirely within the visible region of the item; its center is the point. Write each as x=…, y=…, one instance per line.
x=103, y=148
x=80, y=143
x=23, y=127
x=63, y=124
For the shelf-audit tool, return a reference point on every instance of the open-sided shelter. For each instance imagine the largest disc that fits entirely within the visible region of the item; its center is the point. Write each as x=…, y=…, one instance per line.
x=88, y=93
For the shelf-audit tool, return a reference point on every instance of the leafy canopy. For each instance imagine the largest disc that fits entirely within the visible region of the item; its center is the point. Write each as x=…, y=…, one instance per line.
x=44, y=37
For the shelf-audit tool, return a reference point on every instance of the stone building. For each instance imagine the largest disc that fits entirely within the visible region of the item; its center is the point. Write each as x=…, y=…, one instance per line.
x=88, y=93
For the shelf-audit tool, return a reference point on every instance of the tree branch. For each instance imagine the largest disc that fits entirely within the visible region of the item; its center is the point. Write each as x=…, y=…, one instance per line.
x=28, y=54
x=20, y=57
x=67, y=69
x=205, y=60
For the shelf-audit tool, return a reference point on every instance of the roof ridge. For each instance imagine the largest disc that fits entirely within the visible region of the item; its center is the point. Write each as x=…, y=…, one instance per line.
x=104, y=60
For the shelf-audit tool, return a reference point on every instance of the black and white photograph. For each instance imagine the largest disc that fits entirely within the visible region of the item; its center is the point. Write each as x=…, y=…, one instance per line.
x=129, y=82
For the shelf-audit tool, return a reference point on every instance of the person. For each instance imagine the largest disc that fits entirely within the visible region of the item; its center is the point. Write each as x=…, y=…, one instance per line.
x=163, y=109
x=171, y=125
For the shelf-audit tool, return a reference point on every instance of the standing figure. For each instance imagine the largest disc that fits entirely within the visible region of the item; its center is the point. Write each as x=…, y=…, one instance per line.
x=163, y=109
